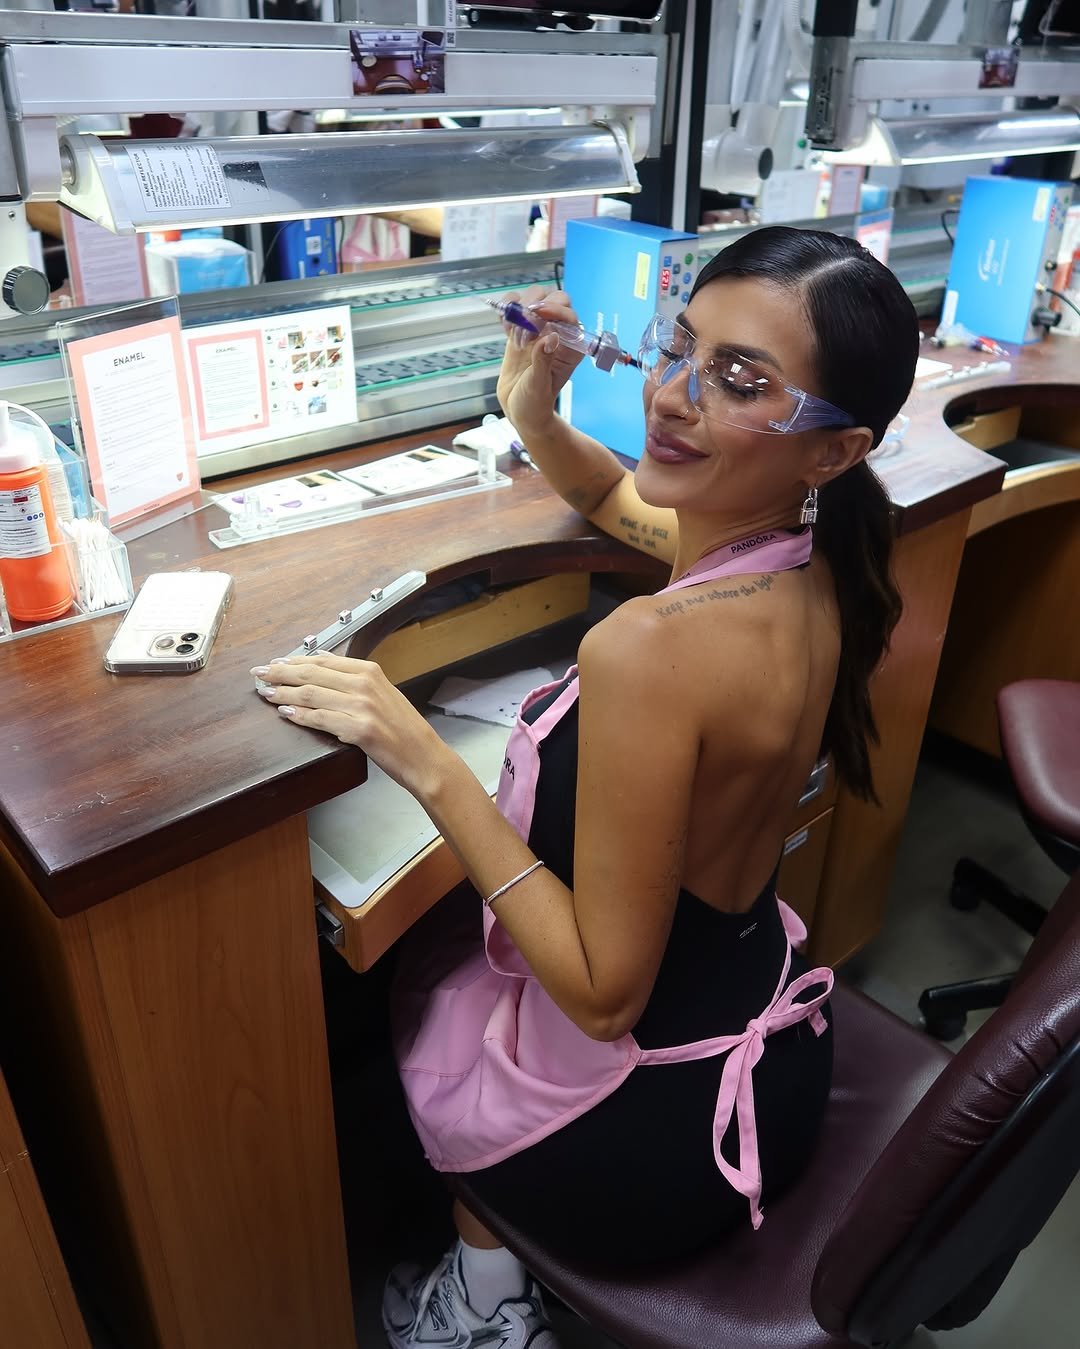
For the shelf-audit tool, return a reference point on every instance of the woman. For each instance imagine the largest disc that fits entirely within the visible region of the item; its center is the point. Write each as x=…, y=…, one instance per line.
x=590, y=1067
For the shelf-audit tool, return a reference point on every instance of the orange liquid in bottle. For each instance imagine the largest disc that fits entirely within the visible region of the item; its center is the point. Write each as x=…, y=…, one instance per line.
x=35, y=587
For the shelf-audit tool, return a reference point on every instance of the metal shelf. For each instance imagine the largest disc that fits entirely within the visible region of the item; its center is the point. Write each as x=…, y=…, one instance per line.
x=426, y=350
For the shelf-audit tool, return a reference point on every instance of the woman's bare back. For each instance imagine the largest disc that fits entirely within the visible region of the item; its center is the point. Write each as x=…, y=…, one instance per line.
x=760, y=733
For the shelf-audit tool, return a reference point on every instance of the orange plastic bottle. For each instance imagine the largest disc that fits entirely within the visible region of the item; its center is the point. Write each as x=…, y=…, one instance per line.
x=34, y=575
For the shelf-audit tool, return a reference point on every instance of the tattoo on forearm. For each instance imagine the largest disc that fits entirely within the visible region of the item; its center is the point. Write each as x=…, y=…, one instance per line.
x=743, y=590
x=587, y=496
x=641, y=535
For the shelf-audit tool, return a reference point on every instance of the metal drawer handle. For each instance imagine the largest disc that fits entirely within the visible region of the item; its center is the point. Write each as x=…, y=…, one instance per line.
x=330, y=928
x=796, y=841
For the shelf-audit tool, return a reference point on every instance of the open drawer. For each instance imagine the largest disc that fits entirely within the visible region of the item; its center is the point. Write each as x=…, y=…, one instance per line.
x=495, y=618
x=377, y=861
x=372, y=883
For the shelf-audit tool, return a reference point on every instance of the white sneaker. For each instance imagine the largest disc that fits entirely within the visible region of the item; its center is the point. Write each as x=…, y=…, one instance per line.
x=433, y=1312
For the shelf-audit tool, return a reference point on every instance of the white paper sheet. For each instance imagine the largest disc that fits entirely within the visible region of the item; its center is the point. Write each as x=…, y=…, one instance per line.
x=492, y=700
x=133, y=402
x=255, y=380
x=411, y=471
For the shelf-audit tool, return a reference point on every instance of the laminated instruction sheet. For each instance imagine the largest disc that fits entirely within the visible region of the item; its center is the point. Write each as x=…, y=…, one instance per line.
x=261, y=379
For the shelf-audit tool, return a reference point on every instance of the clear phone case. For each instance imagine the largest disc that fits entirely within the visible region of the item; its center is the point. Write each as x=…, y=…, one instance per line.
x=171, y=625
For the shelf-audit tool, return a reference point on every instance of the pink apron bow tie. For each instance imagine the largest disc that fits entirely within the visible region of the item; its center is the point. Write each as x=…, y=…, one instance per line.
x=736, y=1095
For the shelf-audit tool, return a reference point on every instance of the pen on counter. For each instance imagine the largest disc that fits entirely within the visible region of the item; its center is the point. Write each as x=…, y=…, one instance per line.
x=522, y=455
x=988, y=346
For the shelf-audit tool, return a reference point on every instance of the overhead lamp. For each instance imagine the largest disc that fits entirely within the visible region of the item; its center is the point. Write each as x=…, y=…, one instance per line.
x=956, y=137
x=136, y=186
x=337, y=116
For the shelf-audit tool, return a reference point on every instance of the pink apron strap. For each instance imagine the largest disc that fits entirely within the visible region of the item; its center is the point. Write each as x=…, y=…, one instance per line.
x=793, y=924
x=775, y=552
x=550, y=718
x=736, y=1094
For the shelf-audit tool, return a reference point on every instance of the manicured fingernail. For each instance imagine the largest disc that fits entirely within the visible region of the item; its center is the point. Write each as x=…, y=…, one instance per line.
x=551, y=343
x=260, y=671
x=267, y=691
x=286, y=711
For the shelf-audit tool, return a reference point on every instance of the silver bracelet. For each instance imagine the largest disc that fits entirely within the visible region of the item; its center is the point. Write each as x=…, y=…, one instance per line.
x=510, y=884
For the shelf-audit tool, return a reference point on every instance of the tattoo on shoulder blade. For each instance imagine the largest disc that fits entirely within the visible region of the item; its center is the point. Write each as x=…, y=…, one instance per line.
x=686, y=601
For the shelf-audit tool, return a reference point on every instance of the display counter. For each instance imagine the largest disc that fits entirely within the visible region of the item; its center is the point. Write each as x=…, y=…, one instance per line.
x=1014, y=615
x=157, y=924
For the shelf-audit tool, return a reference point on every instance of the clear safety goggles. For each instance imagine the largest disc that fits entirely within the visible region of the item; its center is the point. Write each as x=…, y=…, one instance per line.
x=727, y=387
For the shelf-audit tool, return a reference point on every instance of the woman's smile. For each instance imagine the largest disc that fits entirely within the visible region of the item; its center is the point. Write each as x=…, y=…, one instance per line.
x=668, y=449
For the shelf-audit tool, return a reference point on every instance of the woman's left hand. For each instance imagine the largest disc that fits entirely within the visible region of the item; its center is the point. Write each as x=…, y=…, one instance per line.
x=355, y=701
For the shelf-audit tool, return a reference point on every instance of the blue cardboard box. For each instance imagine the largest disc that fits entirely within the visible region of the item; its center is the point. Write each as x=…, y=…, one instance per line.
x=619, y=273
x=1009, y=230
x=305, y=248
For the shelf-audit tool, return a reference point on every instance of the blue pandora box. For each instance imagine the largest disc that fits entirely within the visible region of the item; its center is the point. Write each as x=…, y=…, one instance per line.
x=1008, y=232
x=619, y=274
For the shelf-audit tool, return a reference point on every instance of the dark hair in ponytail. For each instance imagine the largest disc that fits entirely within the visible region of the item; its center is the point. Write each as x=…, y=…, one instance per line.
x=866, y=337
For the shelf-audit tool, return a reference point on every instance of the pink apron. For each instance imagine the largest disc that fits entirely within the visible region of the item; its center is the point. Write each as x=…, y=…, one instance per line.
x=489, y=1063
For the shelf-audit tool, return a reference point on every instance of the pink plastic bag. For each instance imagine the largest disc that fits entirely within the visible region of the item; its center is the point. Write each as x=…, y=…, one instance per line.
x=372, y=240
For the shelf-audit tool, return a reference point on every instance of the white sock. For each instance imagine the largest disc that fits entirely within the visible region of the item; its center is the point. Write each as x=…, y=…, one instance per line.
x=489, y=1277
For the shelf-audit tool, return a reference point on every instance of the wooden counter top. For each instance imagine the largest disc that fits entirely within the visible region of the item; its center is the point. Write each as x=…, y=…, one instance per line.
x=935, y=473
x=107, y=781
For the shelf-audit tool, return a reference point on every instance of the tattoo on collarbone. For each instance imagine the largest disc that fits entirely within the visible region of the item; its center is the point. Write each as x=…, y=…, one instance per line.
x=736, y=590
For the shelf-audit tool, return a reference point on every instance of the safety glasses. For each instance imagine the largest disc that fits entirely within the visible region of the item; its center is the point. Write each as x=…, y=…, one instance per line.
x=727, y=387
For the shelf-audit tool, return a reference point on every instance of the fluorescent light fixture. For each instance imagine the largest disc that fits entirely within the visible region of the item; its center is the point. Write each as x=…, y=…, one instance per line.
x=339, y=116
x=135, y=186
x=956, y=137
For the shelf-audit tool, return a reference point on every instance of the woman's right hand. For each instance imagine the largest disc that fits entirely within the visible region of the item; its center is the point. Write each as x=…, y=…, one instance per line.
x=534, y=369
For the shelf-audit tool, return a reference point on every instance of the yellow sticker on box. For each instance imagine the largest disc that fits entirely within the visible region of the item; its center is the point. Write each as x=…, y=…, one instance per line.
x=641, y=276
x=1042, y=205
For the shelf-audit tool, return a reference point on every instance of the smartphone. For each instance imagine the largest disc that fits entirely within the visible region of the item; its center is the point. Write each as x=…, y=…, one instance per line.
x=171, y=624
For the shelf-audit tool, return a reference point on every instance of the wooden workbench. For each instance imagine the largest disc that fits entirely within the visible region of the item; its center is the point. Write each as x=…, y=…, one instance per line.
x=156, y=927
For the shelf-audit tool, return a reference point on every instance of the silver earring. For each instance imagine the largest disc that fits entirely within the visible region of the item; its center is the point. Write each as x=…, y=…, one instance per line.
x=808, y=514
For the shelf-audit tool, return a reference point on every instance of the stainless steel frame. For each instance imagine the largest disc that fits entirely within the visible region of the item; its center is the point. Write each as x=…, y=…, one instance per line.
x=427, y=349
x=849, y=78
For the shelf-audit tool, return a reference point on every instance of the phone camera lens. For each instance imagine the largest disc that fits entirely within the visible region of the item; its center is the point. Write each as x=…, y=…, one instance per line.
x=189, y=636
x=164, y=644
x=185, y=648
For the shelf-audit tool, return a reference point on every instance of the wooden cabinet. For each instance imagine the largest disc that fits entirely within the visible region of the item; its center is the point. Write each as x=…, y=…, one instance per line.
x=37, y=1306
x=490, y=621
x=802, y=865
x=1013, y=612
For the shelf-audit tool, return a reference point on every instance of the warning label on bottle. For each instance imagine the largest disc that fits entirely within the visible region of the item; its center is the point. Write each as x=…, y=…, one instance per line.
x=24, y=530
x=179, y=175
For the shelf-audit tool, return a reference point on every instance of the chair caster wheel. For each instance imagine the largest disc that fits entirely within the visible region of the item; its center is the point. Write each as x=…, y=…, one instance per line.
x=946, y=1027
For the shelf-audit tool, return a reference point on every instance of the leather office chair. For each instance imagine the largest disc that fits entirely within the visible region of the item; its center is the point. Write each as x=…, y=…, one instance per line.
x=1040, y=739
x=932, y=1173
